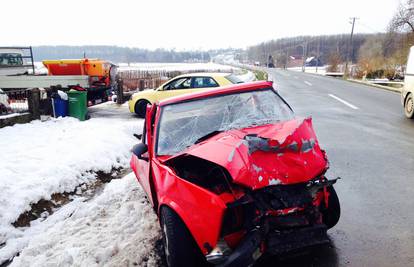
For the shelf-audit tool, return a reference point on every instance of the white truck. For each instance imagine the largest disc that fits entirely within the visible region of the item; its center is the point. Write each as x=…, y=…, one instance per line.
x=17, y=62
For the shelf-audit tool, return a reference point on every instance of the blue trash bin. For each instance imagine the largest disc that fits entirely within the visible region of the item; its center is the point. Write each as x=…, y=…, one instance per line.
x=60, y=107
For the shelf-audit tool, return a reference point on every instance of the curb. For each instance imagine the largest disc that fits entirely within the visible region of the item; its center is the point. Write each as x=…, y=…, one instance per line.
x=383, y=87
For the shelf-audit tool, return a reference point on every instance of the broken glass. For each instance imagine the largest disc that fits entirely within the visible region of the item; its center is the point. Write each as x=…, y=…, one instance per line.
x=182, y=124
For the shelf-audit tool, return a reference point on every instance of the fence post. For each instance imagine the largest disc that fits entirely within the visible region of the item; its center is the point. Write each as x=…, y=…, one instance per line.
x=120, y=93
x=141, y=85
x=33, y=100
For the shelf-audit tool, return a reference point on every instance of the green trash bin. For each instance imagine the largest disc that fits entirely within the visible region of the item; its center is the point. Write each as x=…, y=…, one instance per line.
x=77, y=104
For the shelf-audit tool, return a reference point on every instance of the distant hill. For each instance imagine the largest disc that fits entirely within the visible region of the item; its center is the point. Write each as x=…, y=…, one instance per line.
x=117, y=54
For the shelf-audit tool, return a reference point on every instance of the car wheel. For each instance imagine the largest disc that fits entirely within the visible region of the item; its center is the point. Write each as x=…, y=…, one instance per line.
x=330, y=215
x=180, y=248
x=141, y=108
x=409, y=107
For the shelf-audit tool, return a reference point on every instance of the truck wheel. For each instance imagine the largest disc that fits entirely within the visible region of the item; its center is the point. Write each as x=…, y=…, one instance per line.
x=409, y=107
x=180, y=248
x=330, y=215
x=141, y=108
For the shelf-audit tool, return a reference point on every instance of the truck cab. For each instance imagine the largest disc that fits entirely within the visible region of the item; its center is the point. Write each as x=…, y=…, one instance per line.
x=12, y=62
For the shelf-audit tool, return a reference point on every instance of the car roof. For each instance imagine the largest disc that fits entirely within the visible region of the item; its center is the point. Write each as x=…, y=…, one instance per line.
x=204, y=74
x=236, y=88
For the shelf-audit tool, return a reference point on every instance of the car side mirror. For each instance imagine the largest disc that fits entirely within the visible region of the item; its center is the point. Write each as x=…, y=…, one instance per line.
x=140, y=149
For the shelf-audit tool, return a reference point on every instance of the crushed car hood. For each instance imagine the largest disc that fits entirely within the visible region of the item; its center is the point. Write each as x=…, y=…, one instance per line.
x=281, y=153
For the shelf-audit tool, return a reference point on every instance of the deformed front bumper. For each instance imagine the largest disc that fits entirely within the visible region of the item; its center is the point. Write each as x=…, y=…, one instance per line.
x=274, y=242
x=293, y=239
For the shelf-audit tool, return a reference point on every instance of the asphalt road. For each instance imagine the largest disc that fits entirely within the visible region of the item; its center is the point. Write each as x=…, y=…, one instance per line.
x=370, y=145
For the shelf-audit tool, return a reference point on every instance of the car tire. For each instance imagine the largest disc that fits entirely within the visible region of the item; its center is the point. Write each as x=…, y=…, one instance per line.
x=140, y=108
x=409, y=106
x=331, y=215
x=180, y=247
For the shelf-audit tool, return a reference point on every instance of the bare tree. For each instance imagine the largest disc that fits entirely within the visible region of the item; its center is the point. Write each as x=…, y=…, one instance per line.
x=403, y=19
x=334, y=60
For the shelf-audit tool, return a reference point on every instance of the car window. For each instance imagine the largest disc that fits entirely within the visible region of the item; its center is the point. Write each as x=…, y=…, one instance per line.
x=11, y=59
x=180, y=83
x=181, y=124
x=204, y=82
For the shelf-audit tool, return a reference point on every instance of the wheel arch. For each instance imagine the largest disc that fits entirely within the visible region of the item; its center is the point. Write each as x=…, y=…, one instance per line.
x=406, y=96
x=183, y=217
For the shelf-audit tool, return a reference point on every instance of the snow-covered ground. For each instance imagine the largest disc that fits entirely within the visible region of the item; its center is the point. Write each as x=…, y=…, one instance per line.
x=117, y=228
x=175, y=67
x=41, y=158
x=247, y=77
x=316, y=70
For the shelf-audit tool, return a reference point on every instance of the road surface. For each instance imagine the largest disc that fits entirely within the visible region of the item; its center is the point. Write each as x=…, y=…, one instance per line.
x=370, y=144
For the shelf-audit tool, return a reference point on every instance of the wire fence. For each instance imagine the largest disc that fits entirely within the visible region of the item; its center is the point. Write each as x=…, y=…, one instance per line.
x=146, y=79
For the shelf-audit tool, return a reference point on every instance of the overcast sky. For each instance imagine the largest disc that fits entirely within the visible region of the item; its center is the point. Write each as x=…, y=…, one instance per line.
x=183, y=24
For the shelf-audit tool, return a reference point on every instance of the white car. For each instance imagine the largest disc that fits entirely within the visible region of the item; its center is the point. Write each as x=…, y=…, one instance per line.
x=4, y=102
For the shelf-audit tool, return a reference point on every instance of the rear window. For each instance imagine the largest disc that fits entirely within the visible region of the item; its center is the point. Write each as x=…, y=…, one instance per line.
x=233, y=78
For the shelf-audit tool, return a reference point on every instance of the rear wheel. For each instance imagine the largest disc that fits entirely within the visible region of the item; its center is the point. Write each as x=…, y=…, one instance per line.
x=141, y=108
x=180, y=248
x=331, y=214
x=409, y=106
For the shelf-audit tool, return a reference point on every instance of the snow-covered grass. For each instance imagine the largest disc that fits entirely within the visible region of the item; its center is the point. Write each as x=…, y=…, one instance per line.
x=175, y=67
x=42, y=158
x=316, y=70
x=248, y=76
x=11, y=115
x=117, y=228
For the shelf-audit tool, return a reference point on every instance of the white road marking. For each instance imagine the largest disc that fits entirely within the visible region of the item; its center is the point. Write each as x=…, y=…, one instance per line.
x=308, y=83
x=296, y=77
x=343, y=101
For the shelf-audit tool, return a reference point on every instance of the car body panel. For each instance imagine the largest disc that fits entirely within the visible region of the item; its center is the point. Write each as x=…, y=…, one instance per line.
x=250, y=159
x=187, y=200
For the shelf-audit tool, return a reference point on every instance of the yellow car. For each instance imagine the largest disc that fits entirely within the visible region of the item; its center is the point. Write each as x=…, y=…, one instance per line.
x=182, y=84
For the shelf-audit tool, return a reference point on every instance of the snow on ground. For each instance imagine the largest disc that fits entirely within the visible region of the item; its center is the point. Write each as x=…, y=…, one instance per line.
x=247, y=77
x=117, y=228
x=316, y=70
x=11, y=115
x=41, y=158
x=176, y=67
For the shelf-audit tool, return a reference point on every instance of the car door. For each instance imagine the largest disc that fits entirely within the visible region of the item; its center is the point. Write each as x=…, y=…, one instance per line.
x=142, y=165
x=185, y=85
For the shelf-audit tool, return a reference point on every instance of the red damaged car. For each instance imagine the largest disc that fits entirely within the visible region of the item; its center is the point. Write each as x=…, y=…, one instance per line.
x=233, y=175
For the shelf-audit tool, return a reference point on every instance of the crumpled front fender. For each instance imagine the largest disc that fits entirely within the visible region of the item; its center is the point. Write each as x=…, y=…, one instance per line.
x=200, y=210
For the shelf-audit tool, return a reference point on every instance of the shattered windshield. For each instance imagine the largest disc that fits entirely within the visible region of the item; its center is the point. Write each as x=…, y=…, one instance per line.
x=182, y=124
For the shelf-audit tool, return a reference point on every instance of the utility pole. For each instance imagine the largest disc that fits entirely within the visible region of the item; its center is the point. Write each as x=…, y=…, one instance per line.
x=305, y=48
x=350, y=47
x=287, y=58
x=318, y=53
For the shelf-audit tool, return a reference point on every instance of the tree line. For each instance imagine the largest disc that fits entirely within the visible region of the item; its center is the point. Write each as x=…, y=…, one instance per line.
x=118, y=54
x=372, y=55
